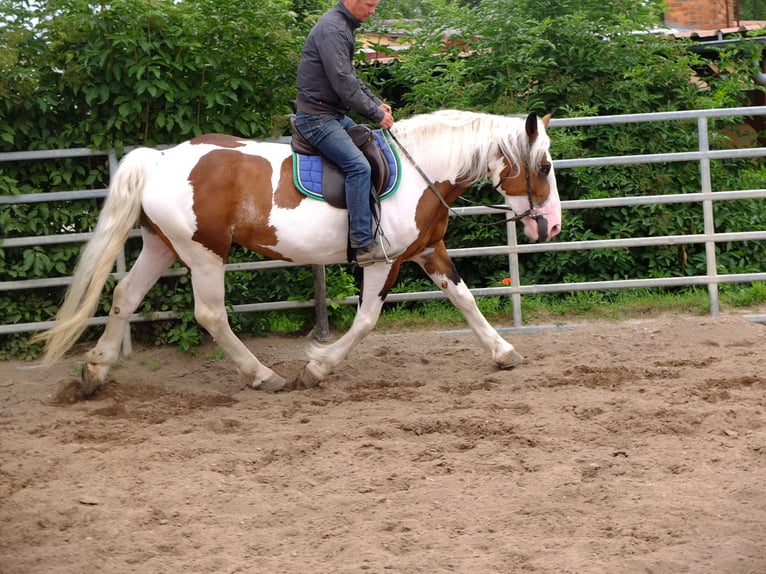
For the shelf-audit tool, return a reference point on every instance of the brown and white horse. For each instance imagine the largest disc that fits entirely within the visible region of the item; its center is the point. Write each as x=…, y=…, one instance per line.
x=195, y=199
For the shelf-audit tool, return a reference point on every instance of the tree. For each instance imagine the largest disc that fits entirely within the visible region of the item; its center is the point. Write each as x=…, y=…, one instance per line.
x=752, y=10
x=582, y=58
x=75, y=73
x=151, y=72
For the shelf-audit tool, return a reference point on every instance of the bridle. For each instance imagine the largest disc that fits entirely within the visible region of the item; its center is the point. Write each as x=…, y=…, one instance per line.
x=503, y=178
x=530, y=212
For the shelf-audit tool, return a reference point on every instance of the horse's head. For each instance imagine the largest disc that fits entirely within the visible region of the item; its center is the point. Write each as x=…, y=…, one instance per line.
x=523, y=173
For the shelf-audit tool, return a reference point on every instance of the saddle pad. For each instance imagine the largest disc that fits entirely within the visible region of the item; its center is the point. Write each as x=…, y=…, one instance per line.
x=308, y=169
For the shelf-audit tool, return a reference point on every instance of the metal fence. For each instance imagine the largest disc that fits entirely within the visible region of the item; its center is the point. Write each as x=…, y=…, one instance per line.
x=706, y=196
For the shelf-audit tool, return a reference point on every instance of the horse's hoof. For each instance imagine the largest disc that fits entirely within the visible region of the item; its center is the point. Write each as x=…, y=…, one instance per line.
x=272, y=384
x=305, y=381
x=89, y=380
x=510, y=360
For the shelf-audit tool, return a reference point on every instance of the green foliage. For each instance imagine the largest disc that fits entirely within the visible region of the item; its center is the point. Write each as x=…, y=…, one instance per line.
x=75, y=73
x=145, y=72
x=78, y=74
x=584, y=59
x=752, y=9
x=409, y=9
x=614, y=305
x=743, y=295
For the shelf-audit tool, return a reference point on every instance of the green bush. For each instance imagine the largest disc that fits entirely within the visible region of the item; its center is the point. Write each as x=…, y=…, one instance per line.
x=131, y=73
x=587, y=59
x=138, y=72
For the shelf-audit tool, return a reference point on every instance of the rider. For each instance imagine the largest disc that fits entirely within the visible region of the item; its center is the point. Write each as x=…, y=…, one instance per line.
x=328, y=88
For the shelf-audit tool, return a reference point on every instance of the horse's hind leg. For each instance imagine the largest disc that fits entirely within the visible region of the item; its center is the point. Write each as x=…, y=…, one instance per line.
x=441, y=270
x=154, y=258
x=210, y=311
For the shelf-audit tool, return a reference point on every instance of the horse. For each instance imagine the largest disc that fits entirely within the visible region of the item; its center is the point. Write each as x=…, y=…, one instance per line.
x=195, y=199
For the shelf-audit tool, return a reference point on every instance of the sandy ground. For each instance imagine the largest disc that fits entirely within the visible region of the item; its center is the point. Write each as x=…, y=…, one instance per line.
x=615, y=448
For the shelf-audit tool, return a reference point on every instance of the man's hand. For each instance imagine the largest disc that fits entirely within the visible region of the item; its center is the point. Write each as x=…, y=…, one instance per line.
x=388, y=118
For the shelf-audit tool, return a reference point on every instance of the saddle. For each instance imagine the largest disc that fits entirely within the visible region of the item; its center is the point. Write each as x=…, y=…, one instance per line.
x=317, y=177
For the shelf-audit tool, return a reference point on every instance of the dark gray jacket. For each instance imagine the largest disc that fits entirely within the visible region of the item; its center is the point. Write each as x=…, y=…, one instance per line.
x=327, y=82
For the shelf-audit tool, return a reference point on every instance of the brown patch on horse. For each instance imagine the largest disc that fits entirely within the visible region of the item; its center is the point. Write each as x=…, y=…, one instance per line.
x=431, y=216
x=232, y=202
x=287, y=196
x=440, y=262
x=147, y=222
x=220, y=140
x=514, y=184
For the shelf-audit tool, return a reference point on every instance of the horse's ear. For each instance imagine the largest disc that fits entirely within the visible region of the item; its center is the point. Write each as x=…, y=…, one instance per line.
x=532, y=126
x=546, y=119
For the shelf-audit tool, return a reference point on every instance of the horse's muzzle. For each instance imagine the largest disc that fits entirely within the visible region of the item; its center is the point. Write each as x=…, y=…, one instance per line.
x=542, y=228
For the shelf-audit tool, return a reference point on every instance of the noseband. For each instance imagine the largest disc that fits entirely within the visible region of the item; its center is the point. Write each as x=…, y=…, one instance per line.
x=542, y=223
x=529, y=212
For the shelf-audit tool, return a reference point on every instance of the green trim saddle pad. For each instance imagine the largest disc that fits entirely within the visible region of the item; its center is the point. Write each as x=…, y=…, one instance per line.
x=313, y=173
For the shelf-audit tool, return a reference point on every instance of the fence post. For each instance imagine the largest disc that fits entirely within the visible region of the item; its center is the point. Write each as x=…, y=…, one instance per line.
x=707, y=213
x=320, y=303
x=515, y=276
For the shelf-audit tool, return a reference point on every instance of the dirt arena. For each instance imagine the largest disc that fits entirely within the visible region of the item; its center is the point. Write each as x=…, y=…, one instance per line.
x=632, y=447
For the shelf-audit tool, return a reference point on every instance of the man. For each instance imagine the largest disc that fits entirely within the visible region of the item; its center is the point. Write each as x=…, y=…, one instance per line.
x=328, y=88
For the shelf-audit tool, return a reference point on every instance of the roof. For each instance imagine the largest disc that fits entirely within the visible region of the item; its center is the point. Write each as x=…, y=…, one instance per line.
x=713, y=34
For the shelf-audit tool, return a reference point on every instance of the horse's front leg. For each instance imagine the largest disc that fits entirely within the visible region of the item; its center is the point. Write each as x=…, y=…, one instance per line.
x=439, y=267
x=376, y=283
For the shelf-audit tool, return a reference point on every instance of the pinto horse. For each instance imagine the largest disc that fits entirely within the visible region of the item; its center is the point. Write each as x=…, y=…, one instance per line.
x=197, y=198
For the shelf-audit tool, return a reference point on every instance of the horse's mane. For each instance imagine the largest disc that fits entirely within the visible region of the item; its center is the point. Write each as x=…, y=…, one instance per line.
x=460, y=146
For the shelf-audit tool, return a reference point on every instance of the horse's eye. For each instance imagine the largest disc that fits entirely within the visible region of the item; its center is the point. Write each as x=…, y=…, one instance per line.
x=545, y=169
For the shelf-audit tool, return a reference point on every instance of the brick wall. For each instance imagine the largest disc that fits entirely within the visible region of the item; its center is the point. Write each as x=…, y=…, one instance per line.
x=701, y=14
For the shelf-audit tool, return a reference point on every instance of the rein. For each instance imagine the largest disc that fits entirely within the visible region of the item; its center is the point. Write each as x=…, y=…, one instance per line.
x=516, y=217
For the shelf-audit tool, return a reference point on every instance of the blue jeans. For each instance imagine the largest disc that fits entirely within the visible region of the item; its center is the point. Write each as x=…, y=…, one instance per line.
x=328, y=134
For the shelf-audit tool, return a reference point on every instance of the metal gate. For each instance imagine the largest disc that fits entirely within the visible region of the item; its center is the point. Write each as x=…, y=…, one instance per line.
x=705, y=197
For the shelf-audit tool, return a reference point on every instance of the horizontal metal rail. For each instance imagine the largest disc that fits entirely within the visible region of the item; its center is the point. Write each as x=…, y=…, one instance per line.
x=705, y=197
x=455, y=252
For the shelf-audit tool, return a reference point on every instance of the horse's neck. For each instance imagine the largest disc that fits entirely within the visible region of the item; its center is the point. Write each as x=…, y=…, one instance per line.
x=447, y=154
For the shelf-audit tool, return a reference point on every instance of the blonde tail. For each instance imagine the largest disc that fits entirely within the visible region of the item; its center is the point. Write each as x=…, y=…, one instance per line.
x=118, y=216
